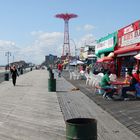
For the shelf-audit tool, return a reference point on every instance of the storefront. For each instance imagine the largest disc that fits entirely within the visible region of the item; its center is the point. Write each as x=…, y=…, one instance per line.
x=128, y=46
x=105, y=51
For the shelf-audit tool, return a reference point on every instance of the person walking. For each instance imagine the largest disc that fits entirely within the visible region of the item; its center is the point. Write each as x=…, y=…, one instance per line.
x=60, y=68
x=14, y=74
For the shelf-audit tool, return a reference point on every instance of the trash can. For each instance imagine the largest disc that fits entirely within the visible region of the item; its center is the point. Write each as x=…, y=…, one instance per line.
x=6, y=76
x=51, y=84
x=21, y=71
x=81, y=129
x=51, y=75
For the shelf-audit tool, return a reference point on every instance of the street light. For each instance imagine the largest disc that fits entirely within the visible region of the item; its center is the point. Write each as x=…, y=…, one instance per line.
x=8, y=54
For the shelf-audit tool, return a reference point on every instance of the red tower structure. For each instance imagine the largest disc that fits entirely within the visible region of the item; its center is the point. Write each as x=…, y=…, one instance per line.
x=66, y=45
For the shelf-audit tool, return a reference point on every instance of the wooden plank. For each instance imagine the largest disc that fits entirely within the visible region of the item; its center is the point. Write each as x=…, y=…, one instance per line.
x=76, y=104
x=28, y=111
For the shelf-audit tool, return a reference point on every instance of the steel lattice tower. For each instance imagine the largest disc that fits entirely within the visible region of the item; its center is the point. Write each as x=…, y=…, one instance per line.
x=66, y=45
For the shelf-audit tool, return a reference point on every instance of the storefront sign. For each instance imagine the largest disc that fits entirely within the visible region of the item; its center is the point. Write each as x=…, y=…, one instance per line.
x=128, y=29
x=105, y=44
x=130, y=38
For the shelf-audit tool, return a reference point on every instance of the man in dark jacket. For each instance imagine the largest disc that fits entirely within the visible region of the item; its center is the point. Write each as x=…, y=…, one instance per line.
x=14, y=74
x=131, y=87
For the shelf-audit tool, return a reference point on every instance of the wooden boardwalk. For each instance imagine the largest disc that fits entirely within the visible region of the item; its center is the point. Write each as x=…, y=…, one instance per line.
x=75, y=104
x=28, y=111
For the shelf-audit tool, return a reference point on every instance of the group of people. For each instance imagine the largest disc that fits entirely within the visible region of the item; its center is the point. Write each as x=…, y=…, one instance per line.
x=133, y=84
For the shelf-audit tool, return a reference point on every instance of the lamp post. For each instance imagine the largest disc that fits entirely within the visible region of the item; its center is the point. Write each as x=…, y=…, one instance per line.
x=8, y=54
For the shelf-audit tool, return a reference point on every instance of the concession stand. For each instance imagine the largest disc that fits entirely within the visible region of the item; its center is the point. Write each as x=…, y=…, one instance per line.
x=128, y=46
x=104, y=50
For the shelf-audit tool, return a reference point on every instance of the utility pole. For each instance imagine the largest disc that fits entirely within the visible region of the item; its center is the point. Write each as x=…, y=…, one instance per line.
x=8, y=54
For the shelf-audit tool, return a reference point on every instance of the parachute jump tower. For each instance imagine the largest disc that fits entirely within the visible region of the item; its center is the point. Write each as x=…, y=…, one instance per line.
x=66, y=45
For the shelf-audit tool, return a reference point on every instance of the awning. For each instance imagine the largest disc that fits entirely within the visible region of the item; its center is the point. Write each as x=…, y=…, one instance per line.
x=137, y=56
x=105, y=59
x=127, y=54
x=111, y=54
x=127, y=49
x=105, y=51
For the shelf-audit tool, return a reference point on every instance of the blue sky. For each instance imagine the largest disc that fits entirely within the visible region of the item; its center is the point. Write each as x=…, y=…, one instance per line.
x=29, y=29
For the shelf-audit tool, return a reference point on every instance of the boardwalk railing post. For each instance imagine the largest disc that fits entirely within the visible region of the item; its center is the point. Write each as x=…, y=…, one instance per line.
x=81, y=129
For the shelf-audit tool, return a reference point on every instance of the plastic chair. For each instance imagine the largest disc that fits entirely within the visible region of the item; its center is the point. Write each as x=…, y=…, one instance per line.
x=87, y=78
x=113, y=77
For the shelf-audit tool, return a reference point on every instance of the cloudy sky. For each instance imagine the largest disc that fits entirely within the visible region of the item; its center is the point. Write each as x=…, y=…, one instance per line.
x=29, y=29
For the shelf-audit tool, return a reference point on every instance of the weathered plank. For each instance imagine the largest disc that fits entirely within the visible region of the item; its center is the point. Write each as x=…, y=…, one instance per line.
x=77, y=105
x=28, y=111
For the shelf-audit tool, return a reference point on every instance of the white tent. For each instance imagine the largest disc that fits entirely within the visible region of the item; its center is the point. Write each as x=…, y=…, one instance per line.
x=76, y=62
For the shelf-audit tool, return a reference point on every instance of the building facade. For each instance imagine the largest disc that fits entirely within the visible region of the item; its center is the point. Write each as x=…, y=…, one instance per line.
x=128, y=46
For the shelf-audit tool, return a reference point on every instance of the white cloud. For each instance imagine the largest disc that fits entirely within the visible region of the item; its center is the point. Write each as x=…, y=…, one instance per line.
x=87, y=39
x=51, y=43
x=88, y=27
x=44, y=44
x=6, y=45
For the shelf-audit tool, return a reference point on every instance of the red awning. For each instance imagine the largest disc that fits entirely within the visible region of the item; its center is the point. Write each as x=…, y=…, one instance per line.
x=105, y=59
x=127, y=49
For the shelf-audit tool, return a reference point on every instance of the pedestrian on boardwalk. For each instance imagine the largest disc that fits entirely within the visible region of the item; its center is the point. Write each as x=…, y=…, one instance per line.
x=14, y=74
x=60, y=68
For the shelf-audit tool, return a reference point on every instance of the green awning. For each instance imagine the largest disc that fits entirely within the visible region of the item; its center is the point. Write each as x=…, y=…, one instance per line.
x=110, y=49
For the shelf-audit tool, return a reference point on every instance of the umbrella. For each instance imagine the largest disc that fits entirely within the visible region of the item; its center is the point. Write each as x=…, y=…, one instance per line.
x=76, y=62
x=105, y=59
x=137, y=56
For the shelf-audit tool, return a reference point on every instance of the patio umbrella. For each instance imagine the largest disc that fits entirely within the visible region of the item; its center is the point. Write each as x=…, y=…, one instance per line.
x=105, y=59
x=137, y=56
x=138, y=63
x=76, y=62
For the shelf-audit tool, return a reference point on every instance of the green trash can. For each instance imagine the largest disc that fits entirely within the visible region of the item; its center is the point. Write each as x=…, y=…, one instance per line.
x=81, y=129
x=51, y=84
x=21, y=71
x=6, y=76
